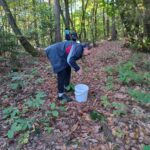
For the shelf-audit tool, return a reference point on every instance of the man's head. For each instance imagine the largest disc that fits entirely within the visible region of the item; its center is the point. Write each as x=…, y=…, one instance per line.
x=86, y=49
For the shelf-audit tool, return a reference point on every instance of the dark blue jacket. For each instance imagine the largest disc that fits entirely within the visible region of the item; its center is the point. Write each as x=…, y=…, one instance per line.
x=60, y=59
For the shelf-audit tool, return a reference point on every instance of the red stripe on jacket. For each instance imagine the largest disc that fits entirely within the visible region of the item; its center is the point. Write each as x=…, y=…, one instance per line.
x=68, y=49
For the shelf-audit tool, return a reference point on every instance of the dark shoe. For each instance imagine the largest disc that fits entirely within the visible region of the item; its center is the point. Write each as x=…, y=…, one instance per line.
x=64, y=97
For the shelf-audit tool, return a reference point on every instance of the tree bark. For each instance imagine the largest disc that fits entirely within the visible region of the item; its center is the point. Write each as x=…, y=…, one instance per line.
x=107, y=21
x=83, y=30
x=104, y=23
x=27, y=46
x=36, y=36
x=67, y=14
x=114, y=31
x=57, y=21
x=147, y=18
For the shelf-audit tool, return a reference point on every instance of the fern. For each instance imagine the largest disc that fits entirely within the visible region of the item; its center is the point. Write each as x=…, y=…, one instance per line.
x=140, y=96
x=105, y=102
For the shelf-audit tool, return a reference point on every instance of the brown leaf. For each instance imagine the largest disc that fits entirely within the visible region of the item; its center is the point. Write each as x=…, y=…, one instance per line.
x=86, y=117
x=74, y=127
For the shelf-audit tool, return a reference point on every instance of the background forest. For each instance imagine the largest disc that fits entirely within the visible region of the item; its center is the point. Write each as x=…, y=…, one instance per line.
x=43, y=22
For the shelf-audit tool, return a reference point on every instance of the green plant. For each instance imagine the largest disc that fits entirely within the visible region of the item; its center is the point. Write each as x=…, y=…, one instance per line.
x=105, y=102
x=147, y=77
x=11, y=112
x=37, y=101
x=39, y=81
x=127, y=75
x=24, y=138
x=15, y=86
x=110, y=70
x=19, y=80
x=120, y=109
x=53, y=112
x=20, y=124
x=48, y=129
x=119, y=133
x=109, y=84
x=146, y=147
x=95, y=115
x=140, y=96
x=34, y=71
x=5, y=96
x=70, y=87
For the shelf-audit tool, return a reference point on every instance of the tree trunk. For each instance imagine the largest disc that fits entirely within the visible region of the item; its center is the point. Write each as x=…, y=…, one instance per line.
x=114, y=31
x=107, y=21
x=104, y=24
x=36, y=36
x=94, y=23
x=83, y=30
x=51, y=33
x=67, y=14
x=27, y=46
x=147, y=18
x=57, y=21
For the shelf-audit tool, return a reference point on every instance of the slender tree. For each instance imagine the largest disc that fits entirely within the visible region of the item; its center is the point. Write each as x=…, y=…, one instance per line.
x=24, y=42
x=57, y=20
x=83, y=29
x=113, y=30
x=107, y=20
x=67, y=14
x=147, y=18
x=36, y=38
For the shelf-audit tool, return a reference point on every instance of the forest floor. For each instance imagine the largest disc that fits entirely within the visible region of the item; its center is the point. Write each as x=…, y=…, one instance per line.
x=116, y=115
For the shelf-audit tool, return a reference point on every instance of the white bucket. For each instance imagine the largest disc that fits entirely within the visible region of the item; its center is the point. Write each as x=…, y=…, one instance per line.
x=81, y=92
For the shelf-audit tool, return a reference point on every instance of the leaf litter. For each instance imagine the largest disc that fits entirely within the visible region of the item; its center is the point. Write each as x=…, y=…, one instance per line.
x=75, y=128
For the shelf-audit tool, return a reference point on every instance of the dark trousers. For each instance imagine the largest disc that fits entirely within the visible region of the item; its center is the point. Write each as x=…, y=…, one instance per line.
x=63, y=79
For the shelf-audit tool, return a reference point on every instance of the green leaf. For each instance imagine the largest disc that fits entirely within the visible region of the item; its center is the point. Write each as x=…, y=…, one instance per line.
x=146, y=147
x=24, y=138
x=105, y=102
x=48, y=129
x=95, y=115
x=55, y=113
x=62, y=108
x=53, y=106
x=14, y=86
x=10, y=134
x=10, y=112
x=39, y=81
x=140, y=96
x=119, y=133
x=120, y=108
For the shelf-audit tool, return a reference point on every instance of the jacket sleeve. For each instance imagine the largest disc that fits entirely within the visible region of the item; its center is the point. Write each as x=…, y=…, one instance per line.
x=74, y=55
